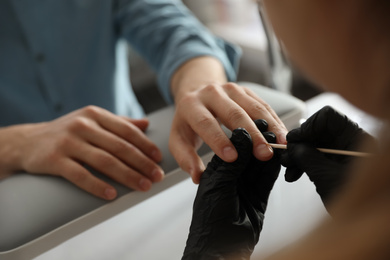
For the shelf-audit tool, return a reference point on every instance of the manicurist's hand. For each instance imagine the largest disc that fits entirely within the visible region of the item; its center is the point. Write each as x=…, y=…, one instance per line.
x=327, y=128
x=113, y=145
x=204, y=100
x=231, y=201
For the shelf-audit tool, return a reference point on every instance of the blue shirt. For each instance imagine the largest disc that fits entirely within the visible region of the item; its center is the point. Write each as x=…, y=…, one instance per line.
x=60, y=55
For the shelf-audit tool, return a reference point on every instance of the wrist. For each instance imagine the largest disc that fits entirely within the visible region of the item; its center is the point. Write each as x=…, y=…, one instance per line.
x=12, y=139
x=195, y=74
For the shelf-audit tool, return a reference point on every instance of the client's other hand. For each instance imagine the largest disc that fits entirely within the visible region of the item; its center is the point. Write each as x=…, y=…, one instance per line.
x=229, y=207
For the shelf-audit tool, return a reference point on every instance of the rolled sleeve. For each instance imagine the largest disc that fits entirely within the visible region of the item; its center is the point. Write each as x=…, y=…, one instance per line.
x=166, y=34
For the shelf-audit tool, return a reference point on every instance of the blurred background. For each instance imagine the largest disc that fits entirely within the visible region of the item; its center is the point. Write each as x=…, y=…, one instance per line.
x=238, y=22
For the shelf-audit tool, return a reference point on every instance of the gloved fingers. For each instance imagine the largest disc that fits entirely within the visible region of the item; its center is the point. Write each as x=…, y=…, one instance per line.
x=269, y=136
x=295, y=135
x=328, y=123
x=328, y=128
x=261, y=124
x=312, y=161
x=218, y=184
x=258, y=179
x=219, y=224
x=293, y=174
x=328, y=175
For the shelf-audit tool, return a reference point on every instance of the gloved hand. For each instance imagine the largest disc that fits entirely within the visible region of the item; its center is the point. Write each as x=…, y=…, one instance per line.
x=229, y=207
x=325, y=129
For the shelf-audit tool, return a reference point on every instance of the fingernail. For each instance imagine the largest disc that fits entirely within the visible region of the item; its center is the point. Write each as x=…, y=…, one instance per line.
x=110, y=193
x=229, y=153
x=157, y=175
x=144, y=184
x=264, y=151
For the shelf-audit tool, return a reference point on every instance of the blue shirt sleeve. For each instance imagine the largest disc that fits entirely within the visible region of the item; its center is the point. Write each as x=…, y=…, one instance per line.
x=166, y=34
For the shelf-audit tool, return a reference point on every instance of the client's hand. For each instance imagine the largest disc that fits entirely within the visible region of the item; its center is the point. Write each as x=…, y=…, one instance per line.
x=230, y=203
x=325, y=129
x=115, y=146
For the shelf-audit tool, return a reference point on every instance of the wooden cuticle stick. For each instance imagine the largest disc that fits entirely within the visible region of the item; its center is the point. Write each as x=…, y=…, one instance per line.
x=325, y=150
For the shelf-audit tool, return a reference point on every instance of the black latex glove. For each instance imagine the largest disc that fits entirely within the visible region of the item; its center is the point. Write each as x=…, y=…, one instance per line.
x=325, y=129
x=229, y=207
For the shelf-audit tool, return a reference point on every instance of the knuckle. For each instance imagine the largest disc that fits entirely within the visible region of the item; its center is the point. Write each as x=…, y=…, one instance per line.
x=188, y=99
x=80, y=123
x=219, y=137
x=204, y=122
x=257, y=137
x=183, y=163
x=257, y=107
x=63, y=142
x=229, y=87
x=53, y=156
x=91, y=110
x=235, y=115
x=211, y=89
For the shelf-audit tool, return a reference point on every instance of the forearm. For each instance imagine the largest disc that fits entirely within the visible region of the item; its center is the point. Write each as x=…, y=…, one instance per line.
x=195, y=74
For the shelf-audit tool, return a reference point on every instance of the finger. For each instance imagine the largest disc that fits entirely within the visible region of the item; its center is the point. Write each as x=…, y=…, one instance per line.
x=112, y=167
x=142, y=123
x=275, y=123
x=261, y=124
x=242, y=141
x=205, y=125
x=233, y=116
x=293, y=174
x=124, y=129
x=270, y=137
x=259, y=178
x=294, y=135
x=131, y=155
x=81, y=177
x=330, y=125
x=182, y=145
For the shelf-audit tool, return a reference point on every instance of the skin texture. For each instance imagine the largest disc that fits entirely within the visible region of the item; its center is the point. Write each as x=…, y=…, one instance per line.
x=204, y=99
